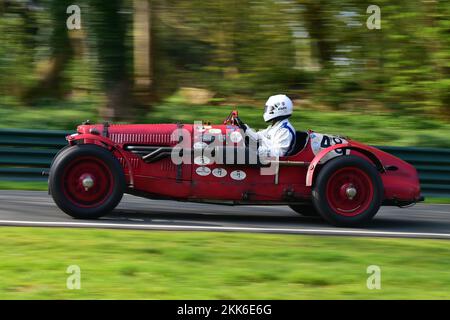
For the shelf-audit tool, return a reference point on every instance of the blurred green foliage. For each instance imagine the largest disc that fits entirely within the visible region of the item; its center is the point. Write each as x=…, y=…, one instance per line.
x=315, y=50
x=376, y=128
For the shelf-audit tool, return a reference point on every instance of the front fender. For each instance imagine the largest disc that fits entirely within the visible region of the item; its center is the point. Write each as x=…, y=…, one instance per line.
x=345, y=146
x=90, y=138
x=101, y=140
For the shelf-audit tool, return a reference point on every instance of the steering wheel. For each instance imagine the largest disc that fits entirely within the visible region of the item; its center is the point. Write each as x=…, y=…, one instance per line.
x=231, y=119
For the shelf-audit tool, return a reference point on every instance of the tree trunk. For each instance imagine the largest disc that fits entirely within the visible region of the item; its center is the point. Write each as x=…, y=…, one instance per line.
x=110, y=27
x=143, y=58
x=316, y=23
x=117, y=101
x=52, y=83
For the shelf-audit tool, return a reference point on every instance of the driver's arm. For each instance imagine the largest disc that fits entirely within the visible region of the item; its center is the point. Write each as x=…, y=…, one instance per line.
x=278, y=146
x=252, y=134
x=255, y=135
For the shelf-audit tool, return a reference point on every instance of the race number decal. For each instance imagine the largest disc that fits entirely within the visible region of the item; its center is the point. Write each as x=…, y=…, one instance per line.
x=323, y=141
x=219, y=172
x=203, y=171
x=201, y=128
x=200, y=145
x=235, y=137
x=202, y=161
x=238, y=175
x=215, y=131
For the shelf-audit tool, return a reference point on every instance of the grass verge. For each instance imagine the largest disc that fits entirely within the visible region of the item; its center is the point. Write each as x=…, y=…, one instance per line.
x=437, y=200
x=24, y=185
x=187, y=265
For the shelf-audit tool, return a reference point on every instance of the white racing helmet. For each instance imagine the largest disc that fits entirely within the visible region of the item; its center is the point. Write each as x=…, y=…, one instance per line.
x=278, y=106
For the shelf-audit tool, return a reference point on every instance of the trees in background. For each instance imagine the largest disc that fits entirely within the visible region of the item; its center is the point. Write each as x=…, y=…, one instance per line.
x=140, y=51
x=110, y=26
x=52, y=82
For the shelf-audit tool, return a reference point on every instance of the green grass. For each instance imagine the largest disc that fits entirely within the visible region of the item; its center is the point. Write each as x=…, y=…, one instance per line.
x=437, y=200
x=197, y=265
x=379, y=128
x=24, y=185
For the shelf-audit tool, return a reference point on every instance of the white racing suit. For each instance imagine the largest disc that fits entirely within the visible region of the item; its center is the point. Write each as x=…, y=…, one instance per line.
x=276, y=141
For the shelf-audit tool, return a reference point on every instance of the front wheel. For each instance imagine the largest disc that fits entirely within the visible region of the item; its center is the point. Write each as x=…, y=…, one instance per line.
x=86, y=181
x=348, y=191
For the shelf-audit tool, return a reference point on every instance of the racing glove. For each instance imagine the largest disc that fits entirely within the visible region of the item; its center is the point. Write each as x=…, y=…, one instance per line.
x=241, y=124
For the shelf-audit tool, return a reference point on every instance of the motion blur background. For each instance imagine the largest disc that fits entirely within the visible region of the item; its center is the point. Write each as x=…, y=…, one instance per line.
x=153, y=61
x=168, y=60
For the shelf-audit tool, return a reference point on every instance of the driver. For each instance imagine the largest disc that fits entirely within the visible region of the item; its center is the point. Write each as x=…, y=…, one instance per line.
x=278, y=139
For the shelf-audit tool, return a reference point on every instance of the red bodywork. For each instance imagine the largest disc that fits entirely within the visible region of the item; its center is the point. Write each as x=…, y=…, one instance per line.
x=164, y=179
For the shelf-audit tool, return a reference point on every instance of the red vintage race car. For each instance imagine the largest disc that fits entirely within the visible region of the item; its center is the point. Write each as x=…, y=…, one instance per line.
x=334, y=177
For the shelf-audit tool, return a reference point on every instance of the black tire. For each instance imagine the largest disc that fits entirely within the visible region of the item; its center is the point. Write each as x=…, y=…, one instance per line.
x=306, y=210
x=58, y=153
x=53, y=161
x=371, y=193
x=61, y=190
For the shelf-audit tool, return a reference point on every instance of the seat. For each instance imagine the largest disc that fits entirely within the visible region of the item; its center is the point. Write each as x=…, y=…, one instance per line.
x=301, y=138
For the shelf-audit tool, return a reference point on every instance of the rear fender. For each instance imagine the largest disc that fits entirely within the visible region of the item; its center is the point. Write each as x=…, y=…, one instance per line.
x=88, y=138
x=362, y=149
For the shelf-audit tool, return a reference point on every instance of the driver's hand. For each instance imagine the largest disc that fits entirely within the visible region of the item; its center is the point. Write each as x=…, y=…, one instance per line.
x=240, y=124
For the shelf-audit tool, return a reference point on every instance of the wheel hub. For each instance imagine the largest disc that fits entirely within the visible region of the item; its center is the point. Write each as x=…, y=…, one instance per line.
x=87, y=181
x=350, y=192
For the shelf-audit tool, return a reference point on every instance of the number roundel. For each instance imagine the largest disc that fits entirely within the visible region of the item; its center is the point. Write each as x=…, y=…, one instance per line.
x=322, y=141
x=219, y=172
x=238, y=175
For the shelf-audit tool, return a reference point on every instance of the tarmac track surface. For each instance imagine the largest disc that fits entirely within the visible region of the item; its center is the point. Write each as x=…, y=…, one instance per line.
x=30, y=208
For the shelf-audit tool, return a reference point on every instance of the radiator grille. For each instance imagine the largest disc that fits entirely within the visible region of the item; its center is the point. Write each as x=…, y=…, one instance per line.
x=136, y=138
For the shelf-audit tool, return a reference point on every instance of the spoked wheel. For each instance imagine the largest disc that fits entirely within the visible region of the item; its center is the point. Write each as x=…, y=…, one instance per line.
x=348, y=191
x=86, y=181
x=306, y=210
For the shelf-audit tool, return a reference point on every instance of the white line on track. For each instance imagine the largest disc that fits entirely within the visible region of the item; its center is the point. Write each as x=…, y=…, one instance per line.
x=215, y=228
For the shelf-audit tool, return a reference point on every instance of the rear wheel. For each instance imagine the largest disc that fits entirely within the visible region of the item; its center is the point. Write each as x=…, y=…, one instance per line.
x=306, y=210
x=348, y=191
x=86, y=181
